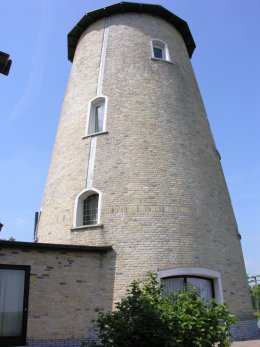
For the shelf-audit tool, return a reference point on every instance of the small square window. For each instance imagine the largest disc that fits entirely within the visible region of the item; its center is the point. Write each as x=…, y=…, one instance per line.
x=160, y=50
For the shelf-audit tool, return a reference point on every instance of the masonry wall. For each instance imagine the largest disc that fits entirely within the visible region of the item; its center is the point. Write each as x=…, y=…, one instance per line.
x=66, y=289
x=68, y=169
x=165, y=203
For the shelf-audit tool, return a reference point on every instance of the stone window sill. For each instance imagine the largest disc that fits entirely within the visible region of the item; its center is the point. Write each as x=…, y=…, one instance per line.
x=166, y=61
x=95, y=134
x=86, y=227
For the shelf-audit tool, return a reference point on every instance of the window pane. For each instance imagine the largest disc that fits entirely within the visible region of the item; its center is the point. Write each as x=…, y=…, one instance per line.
x=90, y=210
x=11, y=302
x=157, y=52
x=203, y=285
x=99, y=118
x=173, y=284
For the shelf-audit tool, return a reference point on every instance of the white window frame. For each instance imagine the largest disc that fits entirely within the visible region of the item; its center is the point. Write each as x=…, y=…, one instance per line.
x=95, y=102
x=78, y=209
x=162, y=45
x=202, y=272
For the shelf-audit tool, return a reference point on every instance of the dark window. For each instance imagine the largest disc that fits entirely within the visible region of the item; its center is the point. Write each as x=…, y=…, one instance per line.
x=160, y=50
x=158, y=53
x=203, y=285
x=90, y=210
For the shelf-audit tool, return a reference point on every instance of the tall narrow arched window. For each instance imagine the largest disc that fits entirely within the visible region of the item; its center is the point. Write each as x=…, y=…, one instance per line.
x=97, y=116
x=160, y=50
x=90, y=210
x=87, y=208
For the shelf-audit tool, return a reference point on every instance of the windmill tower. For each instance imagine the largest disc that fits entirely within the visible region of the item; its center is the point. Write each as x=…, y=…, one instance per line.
x=134, y=163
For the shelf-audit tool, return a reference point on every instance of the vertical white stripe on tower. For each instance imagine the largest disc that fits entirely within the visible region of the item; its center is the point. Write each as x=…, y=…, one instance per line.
x=93, y=140
x=103, y=58
x=91, y=162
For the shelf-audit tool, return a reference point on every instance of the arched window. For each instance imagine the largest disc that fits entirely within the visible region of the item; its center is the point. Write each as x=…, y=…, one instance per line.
x=97, y=116
x=87, y=208
x=160, y=50
x=206, y=281
x=90, y=209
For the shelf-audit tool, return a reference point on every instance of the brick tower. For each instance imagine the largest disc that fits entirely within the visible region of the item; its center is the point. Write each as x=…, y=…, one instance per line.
x=134, y=163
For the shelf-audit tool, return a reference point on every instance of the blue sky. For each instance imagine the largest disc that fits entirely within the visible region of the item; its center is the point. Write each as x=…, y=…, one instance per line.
x=227, y=66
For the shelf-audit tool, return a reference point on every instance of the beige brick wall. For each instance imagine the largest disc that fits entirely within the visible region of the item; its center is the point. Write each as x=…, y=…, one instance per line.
x=68, y=169
x=165, y=202
x=65, y=290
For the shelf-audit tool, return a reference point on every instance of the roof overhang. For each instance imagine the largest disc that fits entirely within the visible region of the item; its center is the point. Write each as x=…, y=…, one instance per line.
x=5, y=63
x=123, y=7
x=54, y=247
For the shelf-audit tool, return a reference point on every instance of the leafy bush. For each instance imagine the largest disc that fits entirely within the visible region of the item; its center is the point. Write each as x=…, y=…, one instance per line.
x=255, y=291
x=146, y=318
x=255, y=297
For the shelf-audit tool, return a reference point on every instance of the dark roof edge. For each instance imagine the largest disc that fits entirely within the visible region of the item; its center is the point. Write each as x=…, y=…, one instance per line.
x=5, y=63
x=123, y=7
x=54, y=247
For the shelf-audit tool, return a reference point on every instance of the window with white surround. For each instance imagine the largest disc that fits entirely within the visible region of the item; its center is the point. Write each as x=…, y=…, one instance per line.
x=97, y=115
x=206, y=281
x=160, y=50
x=87, y=208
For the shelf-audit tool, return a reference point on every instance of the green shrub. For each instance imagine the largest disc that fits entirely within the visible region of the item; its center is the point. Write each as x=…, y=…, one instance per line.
x=146, y=318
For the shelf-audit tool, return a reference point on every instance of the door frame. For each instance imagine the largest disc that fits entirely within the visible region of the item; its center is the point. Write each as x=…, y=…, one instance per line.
x=6, y=341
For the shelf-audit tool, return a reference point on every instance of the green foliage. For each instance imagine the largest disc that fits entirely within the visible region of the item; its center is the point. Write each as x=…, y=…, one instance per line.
x=255, y=291
x=146, y=318
x=195, y=322
x=255, y=297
